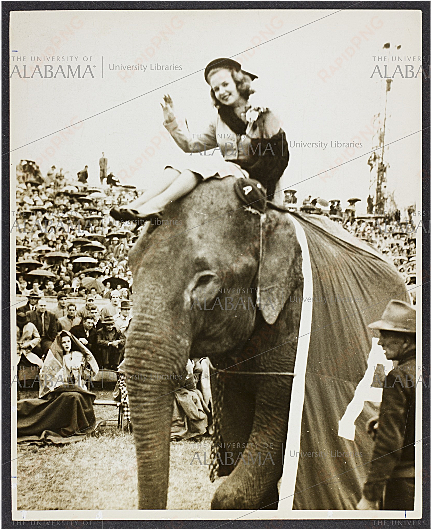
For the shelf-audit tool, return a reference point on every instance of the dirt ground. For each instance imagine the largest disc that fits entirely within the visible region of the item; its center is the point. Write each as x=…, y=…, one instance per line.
x=99, y=472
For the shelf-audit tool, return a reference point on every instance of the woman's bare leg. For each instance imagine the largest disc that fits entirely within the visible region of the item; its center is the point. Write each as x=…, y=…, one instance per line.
x=169, y=175
x=182, y=185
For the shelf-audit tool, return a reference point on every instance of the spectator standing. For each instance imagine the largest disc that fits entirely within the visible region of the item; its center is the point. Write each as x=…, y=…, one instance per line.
x=103, y=166
x=46, y=323
x=112, y=180
x=390, y=482
x=83, y=175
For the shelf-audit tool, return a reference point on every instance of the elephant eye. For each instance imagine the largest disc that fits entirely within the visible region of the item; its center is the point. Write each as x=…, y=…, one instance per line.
x=205, y=280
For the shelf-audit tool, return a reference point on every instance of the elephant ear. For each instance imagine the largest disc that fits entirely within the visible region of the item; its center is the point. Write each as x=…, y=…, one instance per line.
x=281, y=265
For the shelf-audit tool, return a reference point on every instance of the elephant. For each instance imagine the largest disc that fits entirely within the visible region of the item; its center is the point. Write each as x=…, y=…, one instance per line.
x=189, y=278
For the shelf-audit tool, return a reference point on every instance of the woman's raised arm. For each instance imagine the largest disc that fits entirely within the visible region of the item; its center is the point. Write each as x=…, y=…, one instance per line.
x=187, y=141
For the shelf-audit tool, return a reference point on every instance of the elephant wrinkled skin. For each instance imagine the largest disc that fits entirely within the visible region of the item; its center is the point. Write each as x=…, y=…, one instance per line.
x=194, y=295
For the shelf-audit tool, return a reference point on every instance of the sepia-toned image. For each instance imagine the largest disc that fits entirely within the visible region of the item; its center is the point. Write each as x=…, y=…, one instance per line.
x=216, y=227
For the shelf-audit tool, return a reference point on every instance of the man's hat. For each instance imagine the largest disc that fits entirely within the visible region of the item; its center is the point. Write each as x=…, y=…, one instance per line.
x=61, y=295
x=398, y=316
x=33, y=295
x=108, y=320
x=125, y=304
x=226, y=63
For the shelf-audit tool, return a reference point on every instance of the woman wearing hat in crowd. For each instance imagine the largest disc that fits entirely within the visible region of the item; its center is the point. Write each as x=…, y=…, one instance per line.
x=390, y=483
x=250, y=140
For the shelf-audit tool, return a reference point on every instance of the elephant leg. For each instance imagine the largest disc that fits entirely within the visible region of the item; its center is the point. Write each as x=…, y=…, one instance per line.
x=269, y=502
x=253, y=482
x=236, y=421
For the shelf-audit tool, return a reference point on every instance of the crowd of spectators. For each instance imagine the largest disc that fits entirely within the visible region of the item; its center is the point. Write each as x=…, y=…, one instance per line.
x=394, y=238
x=70, y=251
x=68, y=247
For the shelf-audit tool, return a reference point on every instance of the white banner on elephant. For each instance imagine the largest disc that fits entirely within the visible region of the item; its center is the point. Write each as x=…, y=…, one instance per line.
x=293, y=441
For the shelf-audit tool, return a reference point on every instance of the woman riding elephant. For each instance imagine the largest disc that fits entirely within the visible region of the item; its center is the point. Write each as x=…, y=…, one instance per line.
x=249, y=138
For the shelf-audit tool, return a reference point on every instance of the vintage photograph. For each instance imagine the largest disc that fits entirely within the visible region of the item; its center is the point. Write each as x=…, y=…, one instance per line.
x=217, y=220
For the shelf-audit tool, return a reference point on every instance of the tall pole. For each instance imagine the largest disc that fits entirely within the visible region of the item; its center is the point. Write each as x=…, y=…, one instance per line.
x=381, y=198
x=381, y=167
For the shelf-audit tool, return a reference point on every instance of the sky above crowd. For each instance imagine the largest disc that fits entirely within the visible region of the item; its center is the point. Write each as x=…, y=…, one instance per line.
x=321, y=71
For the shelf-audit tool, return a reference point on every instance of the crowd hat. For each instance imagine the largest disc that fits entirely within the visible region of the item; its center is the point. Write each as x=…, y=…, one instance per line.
x=61, y=295
x=398, y=316
x=108, y=320
x=226, y=63
x=125, y=304
x=33, y=295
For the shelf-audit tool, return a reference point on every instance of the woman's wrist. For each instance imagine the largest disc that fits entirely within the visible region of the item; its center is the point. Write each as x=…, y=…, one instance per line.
x=170, y=125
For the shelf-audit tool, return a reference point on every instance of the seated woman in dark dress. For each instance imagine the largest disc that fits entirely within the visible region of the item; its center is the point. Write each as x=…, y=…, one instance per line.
x=64, y=410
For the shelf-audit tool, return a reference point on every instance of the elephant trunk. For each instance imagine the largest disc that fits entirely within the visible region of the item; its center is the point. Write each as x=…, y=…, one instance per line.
x=154, y=358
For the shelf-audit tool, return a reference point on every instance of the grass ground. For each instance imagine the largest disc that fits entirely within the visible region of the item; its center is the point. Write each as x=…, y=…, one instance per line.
x=99, y=473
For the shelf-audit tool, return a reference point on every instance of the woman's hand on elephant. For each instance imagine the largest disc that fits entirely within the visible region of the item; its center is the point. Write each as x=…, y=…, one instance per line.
x=168, y=108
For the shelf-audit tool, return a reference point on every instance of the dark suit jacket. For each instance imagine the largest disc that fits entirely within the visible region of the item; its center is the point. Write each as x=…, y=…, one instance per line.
x=50, y=327
x=25, y=308
x=79, y=332
x=394, y=450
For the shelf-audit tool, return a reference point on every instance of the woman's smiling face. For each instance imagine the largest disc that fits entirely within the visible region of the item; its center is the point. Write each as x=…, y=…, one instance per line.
x=224, y=87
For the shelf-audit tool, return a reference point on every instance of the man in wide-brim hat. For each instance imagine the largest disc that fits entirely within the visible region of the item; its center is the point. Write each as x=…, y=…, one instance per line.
x=390, y=483
x=109, y=345
x=31, y=304
x=122, y=319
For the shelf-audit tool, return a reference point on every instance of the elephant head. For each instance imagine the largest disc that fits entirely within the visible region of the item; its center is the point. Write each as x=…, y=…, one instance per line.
x=195, y=279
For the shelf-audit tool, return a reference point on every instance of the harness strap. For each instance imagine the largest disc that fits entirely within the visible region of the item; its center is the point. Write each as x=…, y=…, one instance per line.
x=262, y=218
x=254, y=373
x=287, y=374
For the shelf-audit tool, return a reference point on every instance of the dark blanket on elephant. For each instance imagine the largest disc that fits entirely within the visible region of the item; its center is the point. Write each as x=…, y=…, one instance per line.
x=352, y=285
x=65, y=415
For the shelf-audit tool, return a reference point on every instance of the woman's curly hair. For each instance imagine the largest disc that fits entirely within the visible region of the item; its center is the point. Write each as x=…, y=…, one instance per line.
x=241, y=80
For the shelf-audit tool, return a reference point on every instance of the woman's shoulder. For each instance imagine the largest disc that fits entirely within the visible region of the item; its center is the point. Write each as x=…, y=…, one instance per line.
x=263, y=121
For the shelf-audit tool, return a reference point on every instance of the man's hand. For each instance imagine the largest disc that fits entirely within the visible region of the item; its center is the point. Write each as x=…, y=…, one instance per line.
x=366, y=505
x=83, y=340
